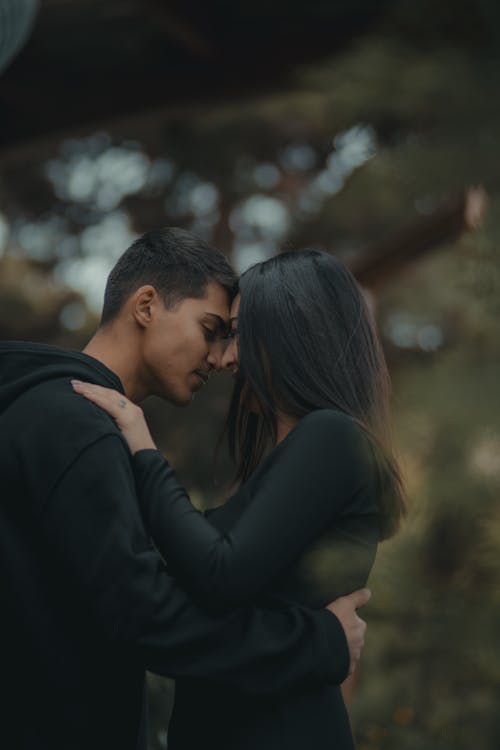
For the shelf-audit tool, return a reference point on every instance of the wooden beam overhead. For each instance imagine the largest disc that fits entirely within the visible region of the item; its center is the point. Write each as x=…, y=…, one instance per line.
x=88, y=60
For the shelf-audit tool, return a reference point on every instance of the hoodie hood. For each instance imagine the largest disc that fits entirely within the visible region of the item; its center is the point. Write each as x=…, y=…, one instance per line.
x=24, y=365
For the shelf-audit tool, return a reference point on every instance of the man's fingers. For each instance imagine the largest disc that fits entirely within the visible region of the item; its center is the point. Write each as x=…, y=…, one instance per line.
x=359, y=598
x=476, y=205
x=354, y=627
x=362, y=629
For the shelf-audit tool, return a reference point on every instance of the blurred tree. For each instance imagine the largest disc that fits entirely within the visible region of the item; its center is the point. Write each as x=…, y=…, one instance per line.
x=431, y=674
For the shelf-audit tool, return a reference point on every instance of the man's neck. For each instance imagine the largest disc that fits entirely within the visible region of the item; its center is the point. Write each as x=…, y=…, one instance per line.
x=108, y=347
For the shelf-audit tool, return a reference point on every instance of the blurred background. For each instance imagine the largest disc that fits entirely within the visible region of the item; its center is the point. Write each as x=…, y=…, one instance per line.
x=371, y=130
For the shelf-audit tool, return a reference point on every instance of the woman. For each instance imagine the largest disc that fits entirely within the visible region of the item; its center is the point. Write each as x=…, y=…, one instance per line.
x=308, y=429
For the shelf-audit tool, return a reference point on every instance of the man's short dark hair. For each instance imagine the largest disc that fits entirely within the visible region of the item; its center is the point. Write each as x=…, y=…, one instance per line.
x=174, y=261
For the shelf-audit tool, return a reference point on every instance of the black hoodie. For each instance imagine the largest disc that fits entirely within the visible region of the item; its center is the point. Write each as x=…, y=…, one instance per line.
x=87, y=605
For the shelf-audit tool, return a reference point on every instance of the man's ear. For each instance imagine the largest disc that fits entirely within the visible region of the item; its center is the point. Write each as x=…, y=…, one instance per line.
x=143, y=302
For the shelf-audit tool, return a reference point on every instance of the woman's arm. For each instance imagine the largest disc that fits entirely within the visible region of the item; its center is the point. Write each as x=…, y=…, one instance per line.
x=310, y=479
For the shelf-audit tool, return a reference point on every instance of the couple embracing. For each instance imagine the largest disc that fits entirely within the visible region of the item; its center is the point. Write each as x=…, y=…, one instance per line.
x=108, y=570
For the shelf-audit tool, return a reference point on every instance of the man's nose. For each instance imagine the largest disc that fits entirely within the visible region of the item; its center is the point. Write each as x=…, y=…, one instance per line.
x=215, y=355
x=229, y=357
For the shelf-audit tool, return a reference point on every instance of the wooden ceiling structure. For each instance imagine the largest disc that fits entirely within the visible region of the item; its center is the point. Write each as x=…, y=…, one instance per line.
x=90, y=60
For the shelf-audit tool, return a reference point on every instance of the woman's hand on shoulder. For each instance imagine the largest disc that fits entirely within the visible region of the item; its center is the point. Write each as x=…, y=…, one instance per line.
x=128, y=416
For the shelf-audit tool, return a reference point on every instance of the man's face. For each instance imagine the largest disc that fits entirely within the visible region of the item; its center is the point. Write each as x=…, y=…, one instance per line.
x=181, y=347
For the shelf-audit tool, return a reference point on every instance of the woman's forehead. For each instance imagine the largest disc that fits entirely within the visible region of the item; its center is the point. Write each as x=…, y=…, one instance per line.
x=235, y=307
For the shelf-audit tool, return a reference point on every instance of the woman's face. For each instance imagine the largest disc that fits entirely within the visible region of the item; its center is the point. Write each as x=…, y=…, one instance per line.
x=231, y=357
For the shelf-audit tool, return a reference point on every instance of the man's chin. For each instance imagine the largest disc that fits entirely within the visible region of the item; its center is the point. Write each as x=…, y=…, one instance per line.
x=181, y=400
x=176, y=399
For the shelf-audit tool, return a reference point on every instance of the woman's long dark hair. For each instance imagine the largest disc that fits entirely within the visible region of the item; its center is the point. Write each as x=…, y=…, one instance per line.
x=307, y=341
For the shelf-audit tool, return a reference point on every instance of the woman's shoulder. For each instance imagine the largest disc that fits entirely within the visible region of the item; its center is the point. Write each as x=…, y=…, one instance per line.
x=329, y=435
x=329, y=422
x=321, y=440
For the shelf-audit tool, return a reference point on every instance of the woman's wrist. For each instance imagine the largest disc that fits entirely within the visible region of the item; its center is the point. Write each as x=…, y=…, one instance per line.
x=139, y=442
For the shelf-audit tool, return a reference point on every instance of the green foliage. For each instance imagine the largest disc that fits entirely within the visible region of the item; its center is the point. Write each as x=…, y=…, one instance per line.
x=431, y=672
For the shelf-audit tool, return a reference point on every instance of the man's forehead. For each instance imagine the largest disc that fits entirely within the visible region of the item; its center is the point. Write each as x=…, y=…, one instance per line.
x=214, y=304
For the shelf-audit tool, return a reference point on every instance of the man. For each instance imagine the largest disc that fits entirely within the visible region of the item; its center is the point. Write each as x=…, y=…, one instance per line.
x=87, y=603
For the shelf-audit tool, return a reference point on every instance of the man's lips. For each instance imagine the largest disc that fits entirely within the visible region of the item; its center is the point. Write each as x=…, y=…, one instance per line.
x=203, y=375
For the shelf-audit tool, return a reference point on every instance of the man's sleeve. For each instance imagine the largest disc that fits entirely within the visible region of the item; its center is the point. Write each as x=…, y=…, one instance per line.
x=93, y=523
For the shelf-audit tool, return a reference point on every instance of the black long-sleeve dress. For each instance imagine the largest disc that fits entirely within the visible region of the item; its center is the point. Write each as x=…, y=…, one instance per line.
x=304, y=528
